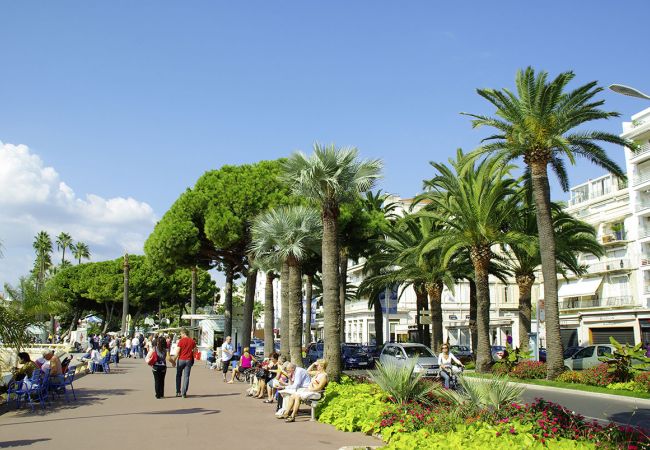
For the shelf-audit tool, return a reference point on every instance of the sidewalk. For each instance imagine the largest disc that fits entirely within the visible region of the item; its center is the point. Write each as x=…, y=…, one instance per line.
x=120, y=410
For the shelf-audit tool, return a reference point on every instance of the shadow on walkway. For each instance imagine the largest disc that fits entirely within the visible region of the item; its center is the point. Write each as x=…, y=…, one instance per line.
x=22, y=443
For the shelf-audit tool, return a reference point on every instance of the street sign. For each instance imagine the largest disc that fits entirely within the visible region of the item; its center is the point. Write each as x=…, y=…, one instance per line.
x=425, y=320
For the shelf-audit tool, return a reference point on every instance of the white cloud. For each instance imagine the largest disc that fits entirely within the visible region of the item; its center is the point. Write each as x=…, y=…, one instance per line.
x=34, y=198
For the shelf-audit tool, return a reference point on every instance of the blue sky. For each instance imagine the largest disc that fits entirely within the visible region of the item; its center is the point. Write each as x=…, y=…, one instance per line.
x=135, y=100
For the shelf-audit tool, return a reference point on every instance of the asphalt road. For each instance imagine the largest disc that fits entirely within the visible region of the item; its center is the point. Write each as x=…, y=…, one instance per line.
x=622, y=410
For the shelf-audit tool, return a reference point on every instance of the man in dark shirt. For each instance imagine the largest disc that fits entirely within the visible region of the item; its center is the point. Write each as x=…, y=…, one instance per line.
x=184, y=362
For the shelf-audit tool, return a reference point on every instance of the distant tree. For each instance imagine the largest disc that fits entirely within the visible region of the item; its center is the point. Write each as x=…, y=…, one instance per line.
x=43, y=246
x=80, y=251
x=63, y=242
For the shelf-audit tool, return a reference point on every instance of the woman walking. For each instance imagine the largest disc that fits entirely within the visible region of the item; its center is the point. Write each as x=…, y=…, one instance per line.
x=159, y=355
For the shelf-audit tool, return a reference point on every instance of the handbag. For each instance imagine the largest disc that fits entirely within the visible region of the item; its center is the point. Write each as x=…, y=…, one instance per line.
x=261, y=373
x=152, y=358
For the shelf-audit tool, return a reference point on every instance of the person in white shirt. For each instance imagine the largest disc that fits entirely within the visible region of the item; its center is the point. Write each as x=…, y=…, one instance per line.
x=446, y=359
x=227, y=353
x=135, y=346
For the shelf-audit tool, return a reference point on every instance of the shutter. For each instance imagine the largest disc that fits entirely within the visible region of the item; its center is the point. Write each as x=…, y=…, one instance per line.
x=569, y=337
x=624, y=335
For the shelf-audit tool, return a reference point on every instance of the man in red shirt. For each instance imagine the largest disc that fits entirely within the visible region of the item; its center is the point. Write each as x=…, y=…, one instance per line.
x=184, y=362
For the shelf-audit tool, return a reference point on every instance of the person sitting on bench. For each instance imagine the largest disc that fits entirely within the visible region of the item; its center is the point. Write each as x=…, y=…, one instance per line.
x=318, y=374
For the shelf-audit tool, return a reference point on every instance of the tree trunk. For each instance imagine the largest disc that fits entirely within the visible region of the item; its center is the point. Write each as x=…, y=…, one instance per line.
x=481, y=260
x=525, y=284
x=309, y=282
x=331, y=301
x=125, y=295
x=423, y=330
x=269, y=314
x=542, y=195
x=284, y=310
x=379, y=321
x=53, y=325
x=295, y=311
x=227, y=302
x=473, y=329
x=249, y=303
x=343, y=285
x=193, y=295
x=435, y=301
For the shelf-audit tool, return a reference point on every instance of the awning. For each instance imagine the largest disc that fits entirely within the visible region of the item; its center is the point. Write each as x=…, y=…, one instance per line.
x=580, y=288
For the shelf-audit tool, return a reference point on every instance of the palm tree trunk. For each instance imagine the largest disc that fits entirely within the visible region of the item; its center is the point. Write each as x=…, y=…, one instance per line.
x=331, y=301
x=473, y=330
x=435, y=300
x=193, y=295
x=269, y=314
x=525, y=284
x=542, y=195
x=125, y=293
x=481, y=260
x=423, y=330
x=295, y=312
x=227, y=302
x=249, y=303
x=343, y=285
x=284, y=310
x=63, y=254
x=379, y=321
x=309, y=283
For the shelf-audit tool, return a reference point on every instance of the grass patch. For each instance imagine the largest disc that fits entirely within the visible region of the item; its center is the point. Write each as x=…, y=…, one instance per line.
x=573, y=386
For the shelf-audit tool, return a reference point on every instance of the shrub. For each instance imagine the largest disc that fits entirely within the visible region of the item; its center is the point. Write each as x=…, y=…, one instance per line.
x=570, y=376
x=625, y=361
x=531, y=370
x=352, y=407
x=439, y=418
x=481, y=436
x=597, y=376
x=629, y=386
x=500, y=369
x=402, y=384
x=491, y=394
x=643, y=378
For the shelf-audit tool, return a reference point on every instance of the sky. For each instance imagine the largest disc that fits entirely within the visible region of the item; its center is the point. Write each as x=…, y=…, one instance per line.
x=109, y=110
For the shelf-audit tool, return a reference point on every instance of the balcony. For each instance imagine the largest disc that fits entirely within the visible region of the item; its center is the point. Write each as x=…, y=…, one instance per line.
x=646, y=289
x=642, y=204
x=645, y=148
x=594, y=189
x=610, y=265
x=644, y=232
x=615, y=238
x=607, y=302
x=641, y=178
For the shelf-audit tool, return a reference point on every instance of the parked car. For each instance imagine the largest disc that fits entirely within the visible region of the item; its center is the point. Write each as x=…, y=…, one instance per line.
x=401, y=354
x=315, y=351
x=570, y=351
x=542, y=354
x=462, y=352
x=588, y=357
x=355, y=356
x=498, y=351
x=257, y=347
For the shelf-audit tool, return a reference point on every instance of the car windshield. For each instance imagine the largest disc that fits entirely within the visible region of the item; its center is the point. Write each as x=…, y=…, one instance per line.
x=459, y=348
x=419, y=352
x=353, y=350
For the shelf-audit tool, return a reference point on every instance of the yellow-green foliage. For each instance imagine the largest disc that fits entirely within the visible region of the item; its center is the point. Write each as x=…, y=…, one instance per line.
x=352, y=407
x=481, y=436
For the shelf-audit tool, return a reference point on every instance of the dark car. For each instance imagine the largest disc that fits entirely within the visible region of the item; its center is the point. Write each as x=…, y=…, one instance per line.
x=462, y=352
x=570, y=351
x=498, y=352
x=542, y=354
x=355, y=356
x=315, y=351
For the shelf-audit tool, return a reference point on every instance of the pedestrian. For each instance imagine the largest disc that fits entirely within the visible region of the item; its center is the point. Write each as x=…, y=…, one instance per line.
x=226, y=356
x=140, y=345
x=159, y=367
x=135, y=346
x=184, y=362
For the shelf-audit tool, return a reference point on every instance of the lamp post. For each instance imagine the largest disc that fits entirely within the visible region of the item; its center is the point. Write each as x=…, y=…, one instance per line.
x=629, y=91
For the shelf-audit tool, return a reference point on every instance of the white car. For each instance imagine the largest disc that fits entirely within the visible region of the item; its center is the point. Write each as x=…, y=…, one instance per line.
x=399, y=354
x=588, y=357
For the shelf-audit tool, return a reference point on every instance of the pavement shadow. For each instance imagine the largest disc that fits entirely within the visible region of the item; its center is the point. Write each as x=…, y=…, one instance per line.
x=202, y=411
x=639, y=417
x=22, y=442
x=214, y=395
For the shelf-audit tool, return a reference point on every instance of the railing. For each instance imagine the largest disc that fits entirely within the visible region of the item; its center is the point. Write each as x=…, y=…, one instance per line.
x=641, y=178
x=613, y=238
x=646, y=289
x=610, y=265
x=609, y=302
x=645, y=148
x=643, y=204
x=644, y=232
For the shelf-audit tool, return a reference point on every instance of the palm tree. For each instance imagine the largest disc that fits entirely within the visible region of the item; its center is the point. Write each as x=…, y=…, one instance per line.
x=473, y=200
x=63, y=241
x=290, y=233
x=539, y=124
x=269, y=265
x=571, y=236
x=43, y=246
x=329, y=177
x=80, y=250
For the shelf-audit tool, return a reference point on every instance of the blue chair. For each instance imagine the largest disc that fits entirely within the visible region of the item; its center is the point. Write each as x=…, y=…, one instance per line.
x=105, y=364
x=58, y=386
x=36, y=387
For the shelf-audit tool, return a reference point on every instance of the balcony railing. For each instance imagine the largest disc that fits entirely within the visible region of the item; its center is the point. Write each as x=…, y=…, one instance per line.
x=641, y=178
x=645, y=148
x=643, y=204
x=646, y=289
x=613, y=238
x=610, y=265
x=644, y=232
x=607, y=302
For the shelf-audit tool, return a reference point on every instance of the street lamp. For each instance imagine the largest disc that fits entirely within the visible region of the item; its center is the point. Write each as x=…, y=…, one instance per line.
x=630, y=91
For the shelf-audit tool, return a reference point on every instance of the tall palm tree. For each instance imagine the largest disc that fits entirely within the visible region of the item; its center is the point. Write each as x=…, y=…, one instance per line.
x=329, y=177
x=63, y=242
x=291, y=233
x=271, y=268
x=473, y=200
x=539, y=123
x=80, y=250
x=43, y=246
x=571, y=236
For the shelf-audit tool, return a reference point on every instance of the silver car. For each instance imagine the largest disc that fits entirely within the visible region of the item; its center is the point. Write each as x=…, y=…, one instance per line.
x=401, y=354
x=588, y=357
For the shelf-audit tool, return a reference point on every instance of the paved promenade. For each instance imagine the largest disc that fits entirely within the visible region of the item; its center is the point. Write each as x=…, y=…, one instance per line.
x=119, y=410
